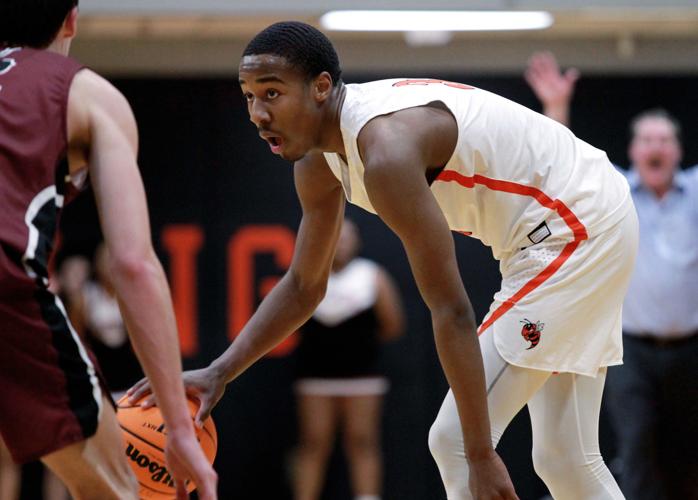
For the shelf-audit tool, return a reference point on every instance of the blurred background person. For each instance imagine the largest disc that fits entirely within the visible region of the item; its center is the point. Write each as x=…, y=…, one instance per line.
x=340, y=384
x=97, y=317
x=654, y=395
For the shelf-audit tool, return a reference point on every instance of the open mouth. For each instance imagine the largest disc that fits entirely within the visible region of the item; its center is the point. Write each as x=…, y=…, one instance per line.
x=655, y=163
x=275, y=143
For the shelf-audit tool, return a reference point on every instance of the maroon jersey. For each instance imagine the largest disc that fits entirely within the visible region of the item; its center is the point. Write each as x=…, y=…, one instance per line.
x=34, y=87
x=48, y=380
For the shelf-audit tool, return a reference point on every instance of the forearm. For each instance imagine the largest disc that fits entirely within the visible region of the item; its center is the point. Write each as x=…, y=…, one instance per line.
x=461, y=359
x=560, y=112
x=147, y=309
x=283, y=311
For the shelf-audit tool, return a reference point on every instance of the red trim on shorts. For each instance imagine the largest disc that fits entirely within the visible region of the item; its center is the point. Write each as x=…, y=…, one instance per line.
x=578, y=230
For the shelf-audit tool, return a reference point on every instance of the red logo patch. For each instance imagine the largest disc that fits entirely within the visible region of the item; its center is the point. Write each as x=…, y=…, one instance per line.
x=531, y=332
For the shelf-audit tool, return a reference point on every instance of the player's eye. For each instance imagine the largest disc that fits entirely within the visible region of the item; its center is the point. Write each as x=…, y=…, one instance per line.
x=248, y=96
x=272, y=94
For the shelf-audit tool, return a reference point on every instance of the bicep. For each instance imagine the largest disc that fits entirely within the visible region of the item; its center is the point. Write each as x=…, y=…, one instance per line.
x=115, y=178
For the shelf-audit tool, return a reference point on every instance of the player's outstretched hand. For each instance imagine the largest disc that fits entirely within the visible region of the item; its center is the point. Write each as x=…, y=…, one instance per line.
x=186, y=461
x=489, y=479
x=204, y=384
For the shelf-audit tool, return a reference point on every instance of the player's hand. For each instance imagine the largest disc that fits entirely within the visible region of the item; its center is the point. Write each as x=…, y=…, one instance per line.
x=551, y=86
x=186, y=462
x=204, y=384
x=489, y=479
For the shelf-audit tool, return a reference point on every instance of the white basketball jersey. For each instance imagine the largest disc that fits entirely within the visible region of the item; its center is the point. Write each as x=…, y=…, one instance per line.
x=515, y=178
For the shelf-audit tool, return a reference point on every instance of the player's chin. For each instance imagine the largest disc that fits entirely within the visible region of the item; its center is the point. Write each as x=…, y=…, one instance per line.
x=292, y=156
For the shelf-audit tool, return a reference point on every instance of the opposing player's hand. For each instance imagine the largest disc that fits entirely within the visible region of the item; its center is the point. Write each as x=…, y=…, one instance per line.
x=204, y=384
x=186, y=462
x=551, y=86
x=489, y=479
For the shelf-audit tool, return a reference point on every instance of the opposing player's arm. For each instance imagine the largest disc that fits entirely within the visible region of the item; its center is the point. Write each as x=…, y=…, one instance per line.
x=395, y=179
x=100, y=119
x=295, y=297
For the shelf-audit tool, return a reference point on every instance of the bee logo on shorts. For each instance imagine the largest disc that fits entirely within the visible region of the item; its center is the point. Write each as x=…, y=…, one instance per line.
x=531, y=332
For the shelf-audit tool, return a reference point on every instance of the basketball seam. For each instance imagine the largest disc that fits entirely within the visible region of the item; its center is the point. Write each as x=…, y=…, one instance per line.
x=142, y=439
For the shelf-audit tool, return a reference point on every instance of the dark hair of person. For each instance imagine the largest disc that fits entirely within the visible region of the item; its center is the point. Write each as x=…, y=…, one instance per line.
x=660, y=113
x=32, y=23
x=303, y=46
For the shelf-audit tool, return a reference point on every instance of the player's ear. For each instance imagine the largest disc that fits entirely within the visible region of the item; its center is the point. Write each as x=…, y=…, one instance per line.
x=322, y=86
x=70, y=25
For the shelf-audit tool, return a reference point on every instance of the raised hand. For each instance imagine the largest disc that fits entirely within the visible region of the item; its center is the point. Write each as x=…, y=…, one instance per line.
x=552, y=87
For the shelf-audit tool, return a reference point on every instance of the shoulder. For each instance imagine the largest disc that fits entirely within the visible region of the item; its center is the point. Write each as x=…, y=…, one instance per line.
x=90, y=87
x=95, y=102
x=313, y=176
x=690, y=175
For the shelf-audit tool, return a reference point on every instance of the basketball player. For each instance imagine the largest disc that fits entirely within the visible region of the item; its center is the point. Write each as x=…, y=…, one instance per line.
x=430, y=157
x=57, y=121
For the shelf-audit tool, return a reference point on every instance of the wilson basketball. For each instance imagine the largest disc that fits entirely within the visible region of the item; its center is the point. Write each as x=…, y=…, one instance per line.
x=145, y=436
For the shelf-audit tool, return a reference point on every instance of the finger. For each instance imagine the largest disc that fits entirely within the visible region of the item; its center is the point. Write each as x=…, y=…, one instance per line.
x=203, y=413
x=181, y=490
x=572, y=75
x=143, y=390
x=148, y=402
x=138, y=384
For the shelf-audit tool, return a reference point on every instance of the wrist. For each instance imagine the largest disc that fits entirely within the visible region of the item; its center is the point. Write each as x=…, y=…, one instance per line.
x=219, y=372
x=479, y=454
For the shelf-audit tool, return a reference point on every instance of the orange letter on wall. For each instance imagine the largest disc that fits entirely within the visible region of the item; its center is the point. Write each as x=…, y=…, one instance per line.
x=182, y=243
x=243, y=291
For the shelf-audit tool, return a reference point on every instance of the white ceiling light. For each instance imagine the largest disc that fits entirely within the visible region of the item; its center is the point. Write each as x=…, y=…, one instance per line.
x=434, y=20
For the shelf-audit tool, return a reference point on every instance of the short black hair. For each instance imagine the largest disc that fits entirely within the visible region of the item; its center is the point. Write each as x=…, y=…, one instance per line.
x=302, y=45
x=32, y=23
x=660, y=113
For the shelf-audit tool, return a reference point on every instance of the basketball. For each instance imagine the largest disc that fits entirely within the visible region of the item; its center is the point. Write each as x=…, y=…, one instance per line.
x=144, y=444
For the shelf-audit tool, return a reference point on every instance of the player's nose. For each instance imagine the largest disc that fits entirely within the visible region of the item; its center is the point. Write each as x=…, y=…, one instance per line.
x=259, y=114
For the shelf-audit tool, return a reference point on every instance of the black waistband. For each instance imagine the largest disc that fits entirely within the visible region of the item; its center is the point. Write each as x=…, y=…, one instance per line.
x=660, y=341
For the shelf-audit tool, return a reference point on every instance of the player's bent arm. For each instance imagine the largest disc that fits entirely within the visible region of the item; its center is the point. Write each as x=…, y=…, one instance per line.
x=293, y=300
x=389, y=310
x=100, y=118
x=397, y=187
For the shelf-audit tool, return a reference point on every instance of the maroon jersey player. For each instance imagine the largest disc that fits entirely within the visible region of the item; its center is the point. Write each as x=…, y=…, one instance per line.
x=59, y=121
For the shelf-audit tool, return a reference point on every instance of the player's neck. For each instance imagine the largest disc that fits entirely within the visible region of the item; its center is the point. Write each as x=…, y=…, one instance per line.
x=330, y=140
x=60, y=46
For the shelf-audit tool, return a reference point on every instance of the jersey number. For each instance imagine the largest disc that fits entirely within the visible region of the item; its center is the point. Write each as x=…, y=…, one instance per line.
x=455, y=85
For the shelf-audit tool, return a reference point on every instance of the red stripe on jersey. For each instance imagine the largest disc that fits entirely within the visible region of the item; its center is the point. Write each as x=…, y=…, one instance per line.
x=578, y=230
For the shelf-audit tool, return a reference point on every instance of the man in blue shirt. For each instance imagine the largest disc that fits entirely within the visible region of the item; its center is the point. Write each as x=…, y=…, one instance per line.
x=654, y=395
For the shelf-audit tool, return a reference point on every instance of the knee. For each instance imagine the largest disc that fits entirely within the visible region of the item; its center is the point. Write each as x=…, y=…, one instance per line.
x=555, y=463
x=361, y=443
x=315, y=445
x=444, y=441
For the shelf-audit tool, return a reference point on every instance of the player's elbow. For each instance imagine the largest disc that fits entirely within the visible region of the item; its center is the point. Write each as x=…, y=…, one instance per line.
x=453, y=317
x=132, y=266
x=309, y=291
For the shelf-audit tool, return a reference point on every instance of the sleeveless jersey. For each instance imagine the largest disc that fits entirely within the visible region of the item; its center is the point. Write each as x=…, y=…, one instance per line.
x=34, y=87
x=341, y=339
x=515, y=178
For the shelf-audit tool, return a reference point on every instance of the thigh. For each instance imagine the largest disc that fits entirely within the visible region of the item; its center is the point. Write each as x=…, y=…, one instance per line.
x=360, y=416
x=317, y=418
x=509, y=388
x=48, y=379
x=565, y=415
x=96, y=468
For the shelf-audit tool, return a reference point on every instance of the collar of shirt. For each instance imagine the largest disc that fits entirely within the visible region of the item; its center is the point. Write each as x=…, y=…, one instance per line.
x=678, y=181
